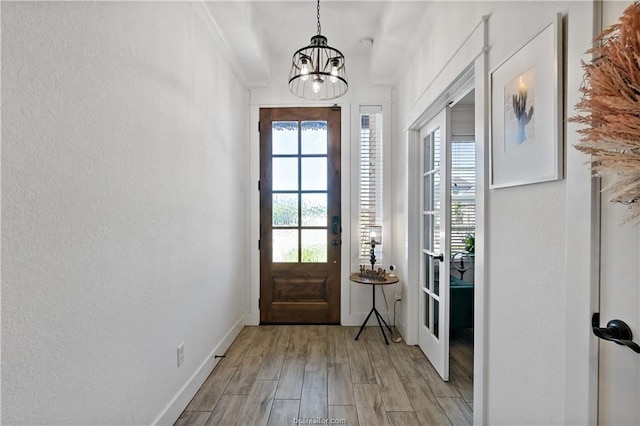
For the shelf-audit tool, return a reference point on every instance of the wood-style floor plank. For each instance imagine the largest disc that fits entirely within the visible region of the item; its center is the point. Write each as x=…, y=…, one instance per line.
x=227, y=411
x=207, y=396
x=274, y=355
x=359, y=362
x=377, y=349
x=457, y=410
x=393, y=394
x=461, y=380
x=298, y=343
x=245, y=374
x=427, y=409
x=336, y=349
x=339, y=385
x=238, y=348
x=291, y=378
x=193, y=418
x=369, y=404
x=401, y=360
x=258, y=405
x=348, y=413
x=403, y=418
x=313, y=402
x=317, y=349
x=284, y=412
x=438, y=387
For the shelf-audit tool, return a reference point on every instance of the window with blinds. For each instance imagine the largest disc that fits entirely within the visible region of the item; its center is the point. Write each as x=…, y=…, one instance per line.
x=463, y=193
x=370, y=176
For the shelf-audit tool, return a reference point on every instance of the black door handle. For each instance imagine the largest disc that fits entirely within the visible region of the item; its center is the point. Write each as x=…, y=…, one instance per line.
x=336, y=242
x=440, y=256
x=617, y=331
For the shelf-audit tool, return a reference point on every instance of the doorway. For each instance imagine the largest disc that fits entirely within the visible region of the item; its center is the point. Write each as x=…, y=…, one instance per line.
x=300, y=224
x=447, y=243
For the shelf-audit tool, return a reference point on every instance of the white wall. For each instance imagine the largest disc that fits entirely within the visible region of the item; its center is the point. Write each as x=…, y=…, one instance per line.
x=526, y=298
x=123, y=150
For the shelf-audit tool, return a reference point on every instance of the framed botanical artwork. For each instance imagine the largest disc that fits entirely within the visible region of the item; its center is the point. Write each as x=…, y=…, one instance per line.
x=526, y=112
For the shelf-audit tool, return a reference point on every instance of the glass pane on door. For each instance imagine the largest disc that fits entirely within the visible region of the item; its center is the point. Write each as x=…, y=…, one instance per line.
x=284, y=137
x=299, y=191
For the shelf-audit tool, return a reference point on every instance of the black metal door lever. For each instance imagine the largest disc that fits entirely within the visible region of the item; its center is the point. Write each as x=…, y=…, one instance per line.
x=617, y=331
x=440, y=256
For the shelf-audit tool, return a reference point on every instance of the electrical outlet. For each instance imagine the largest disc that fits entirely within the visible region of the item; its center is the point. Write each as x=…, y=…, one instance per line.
x=180, y=354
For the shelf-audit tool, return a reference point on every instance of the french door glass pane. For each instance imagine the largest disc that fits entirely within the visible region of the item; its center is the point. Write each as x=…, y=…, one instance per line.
x=285, y=245
x=314, y=174
x=285, y=174
x=436, y=191
x=428, y=191
x=436, y=233
x=284, y=137
x=285, y=209
x=314, y=209
x=426, y=310
x=436, y=320
x=427, y=154
x=428, y=232
x=427, y=273
x=436, y=276
x=436, y=148
x=314, y=137
x=314, y=245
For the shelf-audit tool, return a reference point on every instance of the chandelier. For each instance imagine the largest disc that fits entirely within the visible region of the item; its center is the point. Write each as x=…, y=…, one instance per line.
x=318, y=70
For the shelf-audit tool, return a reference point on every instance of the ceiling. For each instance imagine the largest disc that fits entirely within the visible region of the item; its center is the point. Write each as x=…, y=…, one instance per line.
x=255, y=35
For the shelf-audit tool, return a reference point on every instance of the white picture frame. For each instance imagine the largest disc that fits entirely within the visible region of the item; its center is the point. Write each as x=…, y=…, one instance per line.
x=526, y=112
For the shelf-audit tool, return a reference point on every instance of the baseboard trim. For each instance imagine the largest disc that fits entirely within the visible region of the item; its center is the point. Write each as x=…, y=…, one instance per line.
x=177, y=405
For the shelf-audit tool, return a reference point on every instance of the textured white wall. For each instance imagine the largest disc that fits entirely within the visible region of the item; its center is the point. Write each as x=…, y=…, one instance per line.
x=123, y=149
x=527, y=238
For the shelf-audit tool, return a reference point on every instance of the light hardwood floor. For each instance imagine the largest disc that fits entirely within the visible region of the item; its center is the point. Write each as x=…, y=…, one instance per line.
x=272, y=375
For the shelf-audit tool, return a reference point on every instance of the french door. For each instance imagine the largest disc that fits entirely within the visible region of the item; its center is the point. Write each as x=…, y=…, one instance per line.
x=433, y=335
x=300, y=224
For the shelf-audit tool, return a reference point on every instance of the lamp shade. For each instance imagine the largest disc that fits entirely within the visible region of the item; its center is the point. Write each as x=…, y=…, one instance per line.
x=375, y=234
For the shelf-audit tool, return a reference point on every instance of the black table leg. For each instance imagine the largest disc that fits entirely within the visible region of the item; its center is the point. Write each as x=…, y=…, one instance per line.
x=378, y=317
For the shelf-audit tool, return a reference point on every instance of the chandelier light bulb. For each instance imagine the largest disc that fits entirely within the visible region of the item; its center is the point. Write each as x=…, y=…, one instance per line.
x=317, y=84
x=304, y=70
x=334, y=71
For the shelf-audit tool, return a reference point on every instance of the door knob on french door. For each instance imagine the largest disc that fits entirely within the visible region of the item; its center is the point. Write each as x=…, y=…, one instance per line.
x=440, y=256
x=616, y=331
x=336, y=242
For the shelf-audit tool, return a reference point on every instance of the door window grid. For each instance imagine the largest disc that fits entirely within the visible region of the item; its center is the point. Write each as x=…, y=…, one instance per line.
x=299, y=191
x=431, y=225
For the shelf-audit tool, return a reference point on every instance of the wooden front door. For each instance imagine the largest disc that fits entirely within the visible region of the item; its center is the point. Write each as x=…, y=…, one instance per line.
x=300, y=222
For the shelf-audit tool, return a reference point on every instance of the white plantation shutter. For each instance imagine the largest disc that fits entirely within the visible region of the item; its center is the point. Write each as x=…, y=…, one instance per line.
x=370, y=175
x=463, y=192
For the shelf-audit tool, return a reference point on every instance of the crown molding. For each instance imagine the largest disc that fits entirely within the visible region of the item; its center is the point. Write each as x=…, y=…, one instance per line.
x=220, y=41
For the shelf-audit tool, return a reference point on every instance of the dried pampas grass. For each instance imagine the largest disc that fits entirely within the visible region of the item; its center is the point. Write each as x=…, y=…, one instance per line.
x=611, y=107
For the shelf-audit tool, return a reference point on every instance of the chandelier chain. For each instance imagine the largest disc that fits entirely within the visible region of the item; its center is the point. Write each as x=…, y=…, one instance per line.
x=319, y=17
